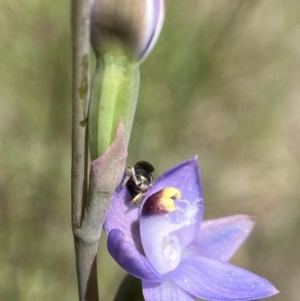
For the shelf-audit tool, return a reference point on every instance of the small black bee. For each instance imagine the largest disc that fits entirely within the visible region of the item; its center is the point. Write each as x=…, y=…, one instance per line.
x=138, y=180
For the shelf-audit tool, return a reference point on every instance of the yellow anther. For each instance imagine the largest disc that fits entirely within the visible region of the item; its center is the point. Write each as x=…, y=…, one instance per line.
x=169, y=195
x=168, y=204
x=171, y=192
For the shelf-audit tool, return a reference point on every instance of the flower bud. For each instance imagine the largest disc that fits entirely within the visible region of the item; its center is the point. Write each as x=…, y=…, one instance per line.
x=132, y=25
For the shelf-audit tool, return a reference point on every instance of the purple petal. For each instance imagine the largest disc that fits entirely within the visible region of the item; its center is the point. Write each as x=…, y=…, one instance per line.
x=220, y=238
x=166, y=290
x=220, y=281
x=158, y=7
x=186, y=178
x=122, y=214
x=129, y=258
x=161, y=247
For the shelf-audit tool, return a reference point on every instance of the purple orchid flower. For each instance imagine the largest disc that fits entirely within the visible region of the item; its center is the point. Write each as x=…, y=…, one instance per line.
x=177, y=256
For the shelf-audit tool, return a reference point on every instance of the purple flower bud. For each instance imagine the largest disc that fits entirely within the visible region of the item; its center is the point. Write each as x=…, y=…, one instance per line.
x=133, y=25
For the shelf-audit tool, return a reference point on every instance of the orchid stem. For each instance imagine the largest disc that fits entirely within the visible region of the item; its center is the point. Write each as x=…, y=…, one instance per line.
x=86, y=265
x=85, y=252
x=81, y=48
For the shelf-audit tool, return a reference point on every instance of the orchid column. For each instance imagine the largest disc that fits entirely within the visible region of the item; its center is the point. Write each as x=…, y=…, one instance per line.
x=122, y=35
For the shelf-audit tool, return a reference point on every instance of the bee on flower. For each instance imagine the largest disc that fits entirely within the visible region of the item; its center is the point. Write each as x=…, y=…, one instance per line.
x=177, y=256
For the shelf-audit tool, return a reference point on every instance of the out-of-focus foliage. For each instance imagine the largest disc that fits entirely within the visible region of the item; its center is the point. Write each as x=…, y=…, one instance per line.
x=222, y=82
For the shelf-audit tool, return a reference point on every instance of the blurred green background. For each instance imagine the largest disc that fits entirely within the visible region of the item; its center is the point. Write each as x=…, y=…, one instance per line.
x=223, y=82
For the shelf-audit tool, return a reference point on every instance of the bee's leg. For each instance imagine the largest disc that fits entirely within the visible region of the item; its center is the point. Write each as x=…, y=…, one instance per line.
x=125, y=180
x=138, y=199
x=128, y=172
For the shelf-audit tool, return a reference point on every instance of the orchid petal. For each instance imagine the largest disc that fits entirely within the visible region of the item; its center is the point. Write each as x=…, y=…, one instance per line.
x=219, y=281
x=186, y=178
x=166, y=290
x=158, y=20
x=129, y=258
x=161, y=247
x=148, y=25
x=122, y=214
x=220, y=238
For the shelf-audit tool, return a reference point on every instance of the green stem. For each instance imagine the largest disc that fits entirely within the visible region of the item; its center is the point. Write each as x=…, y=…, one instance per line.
x=81, y=87
x=130, y=289
x=113, y=96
